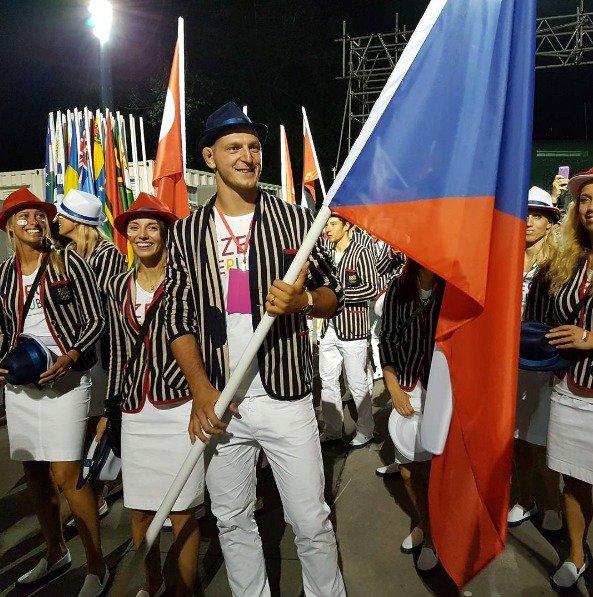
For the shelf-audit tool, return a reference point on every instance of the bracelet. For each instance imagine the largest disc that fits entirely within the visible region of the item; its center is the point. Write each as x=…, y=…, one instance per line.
x=585, y=335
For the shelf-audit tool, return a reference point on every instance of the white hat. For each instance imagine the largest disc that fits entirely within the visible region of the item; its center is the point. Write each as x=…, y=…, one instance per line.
x=541, y=200
x=82, y=207
x=405, y=433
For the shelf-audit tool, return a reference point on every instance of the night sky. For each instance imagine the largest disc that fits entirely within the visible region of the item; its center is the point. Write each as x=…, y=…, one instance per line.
x=273, y=55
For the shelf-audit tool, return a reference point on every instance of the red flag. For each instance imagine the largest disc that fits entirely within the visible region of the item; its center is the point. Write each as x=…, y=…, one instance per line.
x=311, y=171
x=113, y=205
x=287, y=179
x=169, y=168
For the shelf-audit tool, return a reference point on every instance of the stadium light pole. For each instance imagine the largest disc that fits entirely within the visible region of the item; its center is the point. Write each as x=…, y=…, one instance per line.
x=101, y=19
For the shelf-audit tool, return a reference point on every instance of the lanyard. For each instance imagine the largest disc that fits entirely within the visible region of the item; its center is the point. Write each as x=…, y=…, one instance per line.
x=240, y=248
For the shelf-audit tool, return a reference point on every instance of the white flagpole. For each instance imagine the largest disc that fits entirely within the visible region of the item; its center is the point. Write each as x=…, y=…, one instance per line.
x=283, y=171
x=89, y=147
x=308, y=129
x=181, y=42
x=136, y=189
x=146, y=185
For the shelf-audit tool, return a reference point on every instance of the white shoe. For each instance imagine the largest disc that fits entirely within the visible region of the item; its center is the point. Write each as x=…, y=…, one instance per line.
x=390, y=469
x=167, y=525
x=567, y=576
x=93, y=586
x=427, y=560
x=377, y=375
x=41, y=574
x=347, y=396
x=103, y=512
x=145, y=593
x=552, y=520
x=414, y=540
x=360, y=440
x=518, y=515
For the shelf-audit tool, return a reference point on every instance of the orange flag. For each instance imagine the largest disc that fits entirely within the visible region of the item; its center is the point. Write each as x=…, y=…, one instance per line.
x=169, y=168
x=287, y=179
x=311, y=171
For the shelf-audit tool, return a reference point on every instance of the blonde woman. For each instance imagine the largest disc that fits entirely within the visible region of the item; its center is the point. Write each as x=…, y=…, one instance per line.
x=534, y=387
x=148, y=386
x=46, y=421
x=80, y=217
x=570, y=432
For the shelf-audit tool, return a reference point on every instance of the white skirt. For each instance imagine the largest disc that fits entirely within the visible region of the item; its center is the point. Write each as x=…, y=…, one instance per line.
x=154, y=444
x=98, y=390
x=534, y=389
x=570, y=437
x=48, y=424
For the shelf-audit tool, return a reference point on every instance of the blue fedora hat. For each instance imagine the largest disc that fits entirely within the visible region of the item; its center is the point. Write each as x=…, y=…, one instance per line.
x=26, y=361
x=536, y=353
x=225, y=118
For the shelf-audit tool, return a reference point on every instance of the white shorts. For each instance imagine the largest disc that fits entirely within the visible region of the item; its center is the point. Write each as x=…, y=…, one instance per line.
x=48, y=424
x=534, y=389
x=154, y=444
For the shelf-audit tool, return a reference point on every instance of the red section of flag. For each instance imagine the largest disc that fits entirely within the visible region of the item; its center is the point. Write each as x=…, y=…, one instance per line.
x=287, y=178
x=113, y=206
x=169, y=169
x=310, y=172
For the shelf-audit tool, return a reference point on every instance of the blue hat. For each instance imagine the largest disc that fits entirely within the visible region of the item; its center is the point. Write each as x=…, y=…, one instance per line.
x=536, y=353
x=26, y=361
x=225, y=118
x=100, y=463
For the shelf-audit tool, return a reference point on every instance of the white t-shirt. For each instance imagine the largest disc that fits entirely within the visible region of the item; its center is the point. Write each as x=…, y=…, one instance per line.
x=35, y=322
x=239, y=326
x=143, y=300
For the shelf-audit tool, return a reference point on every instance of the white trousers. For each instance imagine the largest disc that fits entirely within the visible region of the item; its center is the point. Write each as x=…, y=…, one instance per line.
x=287, y=432
x=353, y=355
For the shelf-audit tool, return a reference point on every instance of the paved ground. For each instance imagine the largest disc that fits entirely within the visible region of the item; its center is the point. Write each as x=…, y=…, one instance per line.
x=371, y=516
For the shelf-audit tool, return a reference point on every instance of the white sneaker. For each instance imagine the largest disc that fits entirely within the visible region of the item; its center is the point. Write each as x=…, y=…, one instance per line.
x=552, y=520
x=414, y=540
x=41, y=574
x=145, y=593
x=93, y=586
x=518, y=515
x=390, y=469
x=427, y=560
x=378, y=374
x=360, y=440
x=103, y=512
x=567, y=576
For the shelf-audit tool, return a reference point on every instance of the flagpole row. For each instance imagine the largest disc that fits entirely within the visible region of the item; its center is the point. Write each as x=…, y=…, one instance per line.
x=134, y=156
x=146, y=188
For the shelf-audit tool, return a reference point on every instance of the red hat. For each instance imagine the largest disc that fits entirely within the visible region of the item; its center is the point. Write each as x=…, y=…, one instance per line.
x=145, y=206
x=22, y=199
x=575, y=184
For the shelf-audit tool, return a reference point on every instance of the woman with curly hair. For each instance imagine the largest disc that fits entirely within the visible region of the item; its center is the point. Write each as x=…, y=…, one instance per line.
x=570, y=436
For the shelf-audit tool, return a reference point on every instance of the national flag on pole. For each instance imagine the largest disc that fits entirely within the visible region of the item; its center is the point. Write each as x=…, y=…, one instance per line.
x=113, y=206
x=98, y=159
x=287, y=179
x=441, y=172
x=85, y=179
x=169, y=168
x=50, y=169
x=123, y=176
x=60, y=154
x=71, y=177
x=311, y=170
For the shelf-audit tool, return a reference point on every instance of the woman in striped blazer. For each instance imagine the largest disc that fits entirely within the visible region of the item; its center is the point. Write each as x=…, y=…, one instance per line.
x=46, y=422
x=153, y=396
x=410, y=315
x=80, y=217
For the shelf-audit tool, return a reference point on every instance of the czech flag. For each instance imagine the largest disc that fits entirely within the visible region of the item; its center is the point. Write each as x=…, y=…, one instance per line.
x=441, y=172
x=169, y=167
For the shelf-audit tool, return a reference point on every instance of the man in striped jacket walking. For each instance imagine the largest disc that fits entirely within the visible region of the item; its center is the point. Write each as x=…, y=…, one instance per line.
x=226, y=262
x=344, y=337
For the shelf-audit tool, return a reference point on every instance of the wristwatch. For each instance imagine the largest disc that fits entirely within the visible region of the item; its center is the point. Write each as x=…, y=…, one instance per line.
x=309, y=306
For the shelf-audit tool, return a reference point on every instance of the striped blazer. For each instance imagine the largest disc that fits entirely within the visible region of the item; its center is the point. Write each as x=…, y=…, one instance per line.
x=580, y=374
x=389, y=263
x=194, y=295
x=358, y=275
x=70, y=300
x=407, y=344
x=539, y=303
x=154, y=374
x=106, y=261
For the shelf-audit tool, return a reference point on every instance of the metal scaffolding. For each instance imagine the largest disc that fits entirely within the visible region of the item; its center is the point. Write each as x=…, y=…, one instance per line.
x=368, y=60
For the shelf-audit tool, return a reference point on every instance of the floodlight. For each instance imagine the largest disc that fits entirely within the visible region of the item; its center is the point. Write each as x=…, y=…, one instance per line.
x=101, y=17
